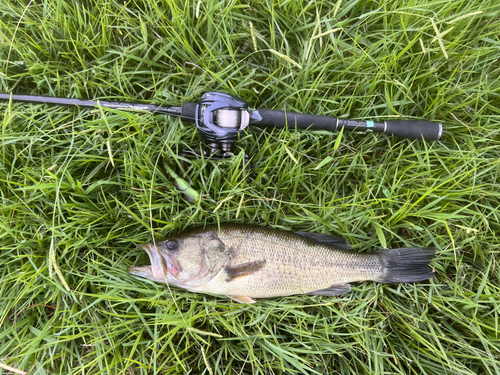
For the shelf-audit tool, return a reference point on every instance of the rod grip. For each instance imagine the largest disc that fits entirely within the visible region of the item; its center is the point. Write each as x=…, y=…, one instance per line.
x=415, y=129
x=280, y=119
x=411, y=129
x=188, y=111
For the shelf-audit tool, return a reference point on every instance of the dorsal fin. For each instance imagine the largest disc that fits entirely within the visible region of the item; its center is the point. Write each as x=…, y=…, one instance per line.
x=326, y=239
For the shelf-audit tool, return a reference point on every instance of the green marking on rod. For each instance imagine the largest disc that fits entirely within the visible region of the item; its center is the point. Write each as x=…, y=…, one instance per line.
x=370, y=124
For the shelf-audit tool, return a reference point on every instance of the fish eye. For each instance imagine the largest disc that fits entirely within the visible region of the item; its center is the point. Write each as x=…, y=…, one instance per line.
x=171, y=245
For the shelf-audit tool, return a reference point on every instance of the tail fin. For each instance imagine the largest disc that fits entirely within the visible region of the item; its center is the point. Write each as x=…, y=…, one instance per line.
x=407, y=264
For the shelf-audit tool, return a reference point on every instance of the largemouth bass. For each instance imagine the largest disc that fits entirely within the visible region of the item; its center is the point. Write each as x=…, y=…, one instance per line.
x=245, y=262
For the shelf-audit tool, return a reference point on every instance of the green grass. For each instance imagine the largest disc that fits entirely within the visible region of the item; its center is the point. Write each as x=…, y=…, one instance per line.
x=84, y=188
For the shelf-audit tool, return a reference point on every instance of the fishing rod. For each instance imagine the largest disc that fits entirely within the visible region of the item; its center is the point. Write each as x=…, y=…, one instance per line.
x=222, y=117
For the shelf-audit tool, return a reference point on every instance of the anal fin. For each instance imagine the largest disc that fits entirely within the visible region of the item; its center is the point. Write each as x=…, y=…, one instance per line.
x=242, y=299
x=333, y=290
x=243, y=269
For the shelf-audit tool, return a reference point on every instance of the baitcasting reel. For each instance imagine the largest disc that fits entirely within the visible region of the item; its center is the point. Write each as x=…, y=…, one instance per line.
x=220, y=118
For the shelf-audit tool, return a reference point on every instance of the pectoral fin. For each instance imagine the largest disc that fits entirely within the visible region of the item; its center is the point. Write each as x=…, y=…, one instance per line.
x=243, y=269
x=334, y=290
x=242, y=299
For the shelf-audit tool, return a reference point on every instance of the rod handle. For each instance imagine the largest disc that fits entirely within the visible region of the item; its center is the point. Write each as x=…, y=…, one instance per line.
x=280, y=119
x=412, y=129
x=415, y=129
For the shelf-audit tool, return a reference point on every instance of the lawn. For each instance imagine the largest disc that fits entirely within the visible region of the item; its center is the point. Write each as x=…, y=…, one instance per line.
x=81, y=189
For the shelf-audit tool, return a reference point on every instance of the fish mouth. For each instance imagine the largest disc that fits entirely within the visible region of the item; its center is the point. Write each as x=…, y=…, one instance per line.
x=161, y=266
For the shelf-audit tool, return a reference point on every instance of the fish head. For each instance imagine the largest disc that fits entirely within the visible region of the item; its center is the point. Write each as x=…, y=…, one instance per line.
x=186, y=261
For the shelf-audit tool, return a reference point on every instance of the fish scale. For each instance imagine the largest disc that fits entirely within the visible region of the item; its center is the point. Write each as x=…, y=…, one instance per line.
x=247, y=261
x=293, y=265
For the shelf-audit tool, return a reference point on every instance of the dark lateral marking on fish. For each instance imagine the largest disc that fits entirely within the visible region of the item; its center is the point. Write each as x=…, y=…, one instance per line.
x=243, y=269
x=333, y=290
x=326, y=239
